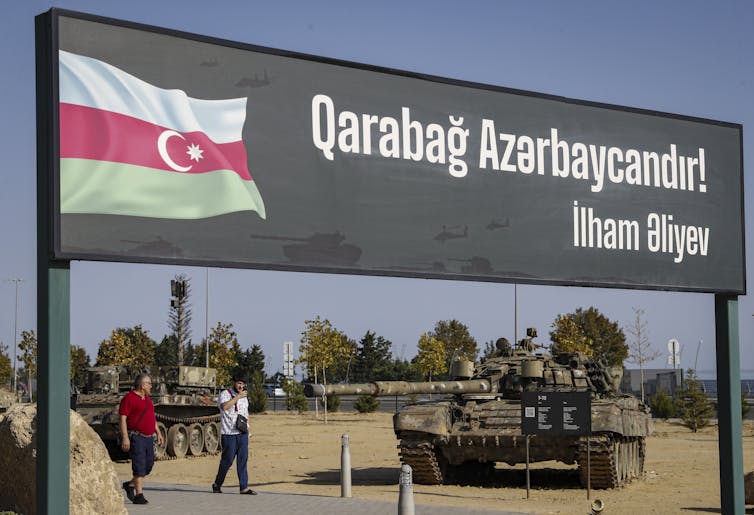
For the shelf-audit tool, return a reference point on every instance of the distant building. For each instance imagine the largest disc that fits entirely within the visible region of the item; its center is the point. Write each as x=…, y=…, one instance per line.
x=655, y=379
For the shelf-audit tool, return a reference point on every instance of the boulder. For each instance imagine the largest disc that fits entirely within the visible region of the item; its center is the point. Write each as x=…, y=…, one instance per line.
x=94, y=485
x=6, y=398
x=749, y=488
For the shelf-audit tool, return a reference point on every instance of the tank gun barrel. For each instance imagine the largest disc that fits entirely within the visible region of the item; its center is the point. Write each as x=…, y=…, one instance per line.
x=388, y=388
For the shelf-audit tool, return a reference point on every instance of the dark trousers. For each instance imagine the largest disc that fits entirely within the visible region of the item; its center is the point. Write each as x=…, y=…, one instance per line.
x=234, y=447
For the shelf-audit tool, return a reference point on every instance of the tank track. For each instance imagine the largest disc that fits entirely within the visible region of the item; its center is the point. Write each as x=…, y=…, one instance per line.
x=421, y=456
x=615, y=460
x=188, y=420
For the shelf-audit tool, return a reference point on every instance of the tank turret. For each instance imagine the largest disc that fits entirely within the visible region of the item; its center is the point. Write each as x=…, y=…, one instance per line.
x=459, y=436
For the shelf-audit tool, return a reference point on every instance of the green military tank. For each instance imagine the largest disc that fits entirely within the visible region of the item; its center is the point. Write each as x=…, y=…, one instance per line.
x=460, y=435
x=185, y=404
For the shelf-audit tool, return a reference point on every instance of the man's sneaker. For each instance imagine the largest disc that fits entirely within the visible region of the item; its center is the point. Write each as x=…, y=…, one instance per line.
x=129, y=491
x=139, y=499
x=216, y=489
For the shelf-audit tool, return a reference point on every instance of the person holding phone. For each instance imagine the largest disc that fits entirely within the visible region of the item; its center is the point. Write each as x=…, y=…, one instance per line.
x=234, y=414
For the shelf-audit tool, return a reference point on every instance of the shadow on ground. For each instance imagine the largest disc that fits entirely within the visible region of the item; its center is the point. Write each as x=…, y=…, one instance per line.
x=384, y=476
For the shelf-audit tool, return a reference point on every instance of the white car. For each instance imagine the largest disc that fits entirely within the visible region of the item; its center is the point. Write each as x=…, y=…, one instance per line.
x=274, y=391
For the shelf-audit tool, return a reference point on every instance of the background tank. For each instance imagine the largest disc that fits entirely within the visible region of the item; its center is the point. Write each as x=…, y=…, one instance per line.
x=461, y=436
x=185, y=404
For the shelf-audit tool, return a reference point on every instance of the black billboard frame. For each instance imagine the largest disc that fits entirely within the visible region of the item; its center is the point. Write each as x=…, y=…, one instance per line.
x=59, y=255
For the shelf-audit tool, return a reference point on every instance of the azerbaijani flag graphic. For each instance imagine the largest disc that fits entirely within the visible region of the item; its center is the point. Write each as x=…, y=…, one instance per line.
x=130, y=148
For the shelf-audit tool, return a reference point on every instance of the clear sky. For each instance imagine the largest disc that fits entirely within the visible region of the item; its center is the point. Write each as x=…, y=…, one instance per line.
x=687, y=57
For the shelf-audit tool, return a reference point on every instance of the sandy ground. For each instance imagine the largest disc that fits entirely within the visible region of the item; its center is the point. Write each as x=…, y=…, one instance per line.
x=301, y=454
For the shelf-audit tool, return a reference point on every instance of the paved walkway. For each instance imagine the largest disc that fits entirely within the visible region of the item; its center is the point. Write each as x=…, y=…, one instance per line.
x=167, y=499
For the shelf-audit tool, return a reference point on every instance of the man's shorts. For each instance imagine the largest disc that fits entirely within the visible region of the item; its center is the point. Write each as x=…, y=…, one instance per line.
x=142, y=454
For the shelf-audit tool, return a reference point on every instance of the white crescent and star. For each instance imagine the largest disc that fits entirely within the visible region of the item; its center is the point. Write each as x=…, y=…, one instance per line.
x=192, y=150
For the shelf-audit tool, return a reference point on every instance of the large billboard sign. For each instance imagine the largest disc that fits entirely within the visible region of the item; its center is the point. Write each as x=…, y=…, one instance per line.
x=176, y=148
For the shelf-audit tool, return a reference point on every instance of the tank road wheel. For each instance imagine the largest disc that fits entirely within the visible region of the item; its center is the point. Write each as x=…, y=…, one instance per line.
x=211, y=437
x=178, y=440
x=195, y=439
x=159, y=450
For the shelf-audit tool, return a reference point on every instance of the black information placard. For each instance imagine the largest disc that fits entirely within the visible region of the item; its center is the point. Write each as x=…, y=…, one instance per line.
x=556, y=413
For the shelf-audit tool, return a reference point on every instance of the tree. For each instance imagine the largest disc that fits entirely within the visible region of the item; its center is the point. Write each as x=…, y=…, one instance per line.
x=640, y=349
x=431, y=358
x=662, y=405
x=28, y=356
x=498, y=348
x=342, y=368
x=459, y=344
x=257, y=393
x=696, y=409
x=127, y=346
x=322, y=346
x=366, y=404
x=79, y=363
x=166, y=352
x=592, y=333
x=6, y=368
x=251, y=361
x=223, y=350
x=294, y=395
x=179, y=318
x=402, y=370
x=373, y=359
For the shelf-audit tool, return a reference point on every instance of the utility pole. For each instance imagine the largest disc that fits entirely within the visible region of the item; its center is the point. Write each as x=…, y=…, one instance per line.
x=206, y=318
x=181, y=315
x=15, y=337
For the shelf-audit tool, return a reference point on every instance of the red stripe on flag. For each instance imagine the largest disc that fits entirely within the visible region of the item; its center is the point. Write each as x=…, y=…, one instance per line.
x=89, y=133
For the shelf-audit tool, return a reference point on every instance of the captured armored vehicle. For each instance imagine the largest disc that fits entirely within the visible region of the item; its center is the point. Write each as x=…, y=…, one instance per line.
x=460, y=436
x=184, y=401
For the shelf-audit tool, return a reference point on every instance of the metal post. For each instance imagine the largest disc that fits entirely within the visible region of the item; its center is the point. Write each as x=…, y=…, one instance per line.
x=406, y=491
x=53, y=303
x=515, y=314
x=15, y=343
x=345, y=467
x=729, y=408
x=528, y=484
x=588, y=468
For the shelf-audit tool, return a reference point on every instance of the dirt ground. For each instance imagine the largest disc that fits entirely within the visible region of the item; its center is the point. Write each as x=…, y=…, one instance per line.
x=300, y=454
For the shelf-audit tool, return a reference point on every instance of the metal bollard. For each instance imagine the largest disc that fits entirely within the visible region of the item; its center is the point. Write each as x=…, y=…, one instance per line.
x=345, y=467
x=406, y=495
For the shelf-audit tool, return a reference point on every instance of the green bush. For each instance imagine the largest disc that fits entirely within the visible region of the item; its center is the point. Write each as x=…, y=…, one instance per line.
x=366, y=404
x=257, y=393
x=294, y=396
x=662, y=405
x=333, y=403
x=696, y=409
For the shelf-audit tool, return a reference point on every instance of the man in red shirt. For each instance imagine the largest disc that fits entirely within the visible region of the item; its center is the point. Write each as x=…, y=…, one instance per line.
x=137, y=428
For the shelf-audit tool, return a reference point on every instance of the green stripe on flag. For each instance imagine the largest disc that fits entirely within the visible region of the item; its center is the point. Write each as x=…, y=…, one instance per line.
x=102, y=187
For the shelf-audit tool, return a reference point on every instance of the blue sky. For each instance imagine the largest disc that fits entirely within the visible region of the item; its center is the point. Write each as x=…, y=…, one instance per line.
x=686, y=57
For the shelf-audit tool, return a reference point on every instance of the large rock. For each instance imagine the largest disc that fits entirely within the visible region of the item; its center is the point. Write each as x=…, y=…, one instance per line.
x=6, y=398
x=94, y=485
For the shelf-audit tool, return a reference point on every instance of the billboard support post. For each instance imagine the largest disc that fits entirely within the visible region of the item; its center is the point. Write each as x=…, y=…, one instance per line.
x=53, y=390
x=729, y=405
x=53, y=307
